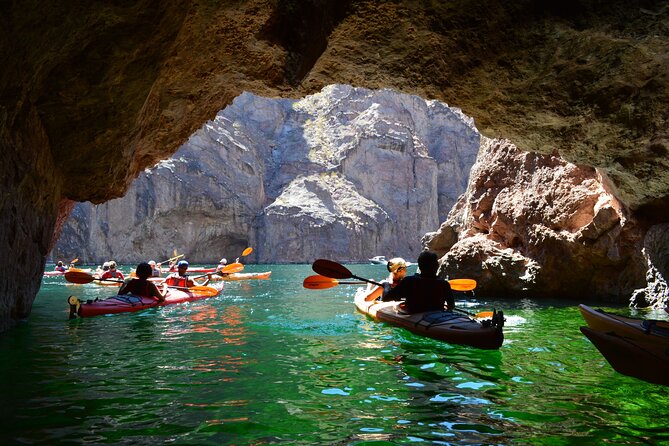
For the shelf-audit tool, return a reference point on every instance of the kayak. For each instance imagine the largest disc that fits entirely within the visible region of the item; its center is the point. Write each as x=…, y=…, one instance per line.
x=646, y=330
x=446, y=326
x=648, y=361
x=130, y=303
x=242, y=276
x=62, y=273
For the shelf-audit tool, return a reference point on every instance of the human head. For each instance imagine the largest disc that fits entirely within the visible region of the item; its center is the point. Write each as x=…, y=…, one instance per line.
x=182, y=265
x=397, y=266
x=223, y=261
x=152, y=263
x=105, y=266
x=60, y=263
x=112, y=264
x=428, y=262
x=143, y=270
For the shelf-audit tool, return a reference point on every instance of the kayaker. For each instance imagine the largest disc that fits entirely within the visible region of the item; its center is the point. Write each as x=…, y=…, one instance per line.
x=140, y=286
x=398, y=271
x=424, y=291
x=60, y=267
x=180, y=277
x=221, y=264
x=155, y=269
x=113, y=273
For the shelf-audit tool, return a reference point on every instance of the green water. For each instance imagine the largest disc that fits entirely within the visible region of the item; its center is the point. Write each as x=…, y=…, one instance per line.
x=269, y=362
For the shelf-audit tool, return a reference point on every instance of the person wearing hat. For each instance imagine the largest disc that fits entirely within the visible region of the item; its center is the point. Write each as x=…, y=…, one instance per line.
x=155, y=269
x=180, y=277
x=113, y=273
x=140, y=285
x=424, y=291
x=222, y=264
x=60, y=267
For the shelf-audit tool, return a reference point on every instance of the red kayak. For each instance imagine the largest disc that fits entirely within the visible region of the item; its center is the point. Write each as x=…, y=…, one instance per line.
x=130, y=303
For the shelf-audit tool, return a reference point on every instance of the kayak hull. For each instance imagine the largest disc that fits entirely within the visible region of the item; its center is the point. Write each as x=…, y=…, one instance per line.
x=445, y=326
x=648, y=361
x=654, y=332
x=242, y=276
x=130, y=303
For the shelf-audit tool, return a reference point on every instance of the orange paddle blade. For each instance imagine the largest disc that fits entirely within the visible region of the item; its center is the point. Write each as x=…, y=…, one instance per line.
x=247, y=251
x=232, y=268
x=484, y=315
x=78, y=277
x=204, y=290
x=462, y=284
x=318, y=282
x=74, y=261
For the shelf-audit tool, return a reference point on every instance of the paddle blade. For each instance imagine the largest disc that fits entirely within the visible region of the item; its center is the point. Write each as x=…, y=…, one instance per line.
x=328, y=268
x=79, y=277
x=74, y=261
x=204, y=290
x=462, y=284
x=318, y=282
x=484, y=315
x=247, y=251
x=232, y=268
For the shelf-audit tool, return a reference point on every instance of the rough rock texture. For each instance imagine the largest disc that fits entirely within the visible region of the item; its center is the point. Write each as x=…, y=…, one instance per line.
x=536, y=225
x=656, y=253
x=98, y=91
x=343, y=174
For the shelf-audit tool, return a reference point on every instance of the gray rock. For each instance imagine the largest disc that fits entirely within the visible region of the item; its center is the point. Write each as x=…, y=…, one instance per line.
x=347, y=173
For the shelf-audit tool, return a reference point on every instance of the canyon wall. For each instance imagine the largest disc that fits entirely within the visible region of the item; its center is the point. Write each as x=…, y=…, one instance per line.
x=91, y=94
x=346, y=173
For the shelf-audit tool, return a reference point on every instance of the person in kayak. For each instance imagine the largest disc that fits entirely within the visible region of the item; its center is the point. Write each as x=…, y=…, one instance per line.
x=113, y=273
x=180, y=277
x=424, y=291
x=221, y=264
x=60, y=267
x=140, y=285
x=155, y=269
x=397, y=267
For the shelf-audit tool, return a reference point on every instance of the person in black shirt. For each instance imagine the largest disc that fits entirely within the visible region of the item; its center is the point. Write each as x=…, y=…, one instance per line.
x=424, y=291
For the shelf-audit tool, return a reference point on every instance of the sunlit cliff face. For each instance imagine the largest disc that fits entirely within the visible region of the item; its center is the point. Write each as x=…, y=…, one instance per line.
x=94, y=93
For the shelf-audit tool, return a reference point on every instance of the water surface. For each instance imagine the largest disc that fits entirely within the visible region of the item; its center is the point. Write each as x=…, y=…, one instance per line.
x=269, y=362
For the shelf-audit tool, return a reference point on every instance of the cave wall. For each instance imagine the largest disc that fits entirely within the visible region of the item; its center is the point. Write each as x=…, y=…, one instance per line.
x=92, y=93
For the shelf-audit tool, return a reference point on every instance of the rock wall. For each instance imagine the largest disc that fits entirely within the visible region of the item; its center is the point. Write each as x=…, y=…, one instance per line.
x=346, y=174
x=536, y=225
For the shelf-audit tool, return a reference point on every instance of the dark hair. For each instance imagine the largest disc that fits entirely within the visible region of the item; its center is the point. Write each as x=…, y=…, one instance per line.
x=143, y=270
x=428, y=262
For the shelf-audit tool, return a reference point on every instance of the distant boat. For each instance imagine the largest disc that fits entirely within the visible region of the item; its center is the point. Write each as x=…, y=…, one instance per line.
x=379, y=260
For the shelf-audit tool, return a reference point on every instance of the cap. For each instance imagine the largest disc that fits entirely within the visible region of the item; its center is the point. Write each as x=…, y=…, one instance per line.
x=395, y=264
x=152, y=262
x=182, y=263
x=223, y=260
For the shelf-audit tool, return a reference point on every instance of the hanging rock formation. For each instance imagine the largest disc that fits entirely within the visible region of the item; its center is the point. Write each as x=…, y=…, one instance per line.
x=536, y=225
x=342, y=174
x=91, y=94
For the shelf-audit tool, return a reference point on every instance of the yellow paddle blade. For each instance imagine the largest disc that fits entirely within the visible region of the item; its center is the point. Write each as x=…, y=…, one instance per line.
x=247, y=251
x=74, y=261
x=462, y=284
x=175, y=252
x=204, y=290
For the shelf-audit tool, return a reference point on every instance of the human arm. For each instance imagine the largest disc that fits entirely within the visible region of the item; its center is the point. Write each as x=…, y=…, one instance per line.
x=157, y=292
x=125, y=288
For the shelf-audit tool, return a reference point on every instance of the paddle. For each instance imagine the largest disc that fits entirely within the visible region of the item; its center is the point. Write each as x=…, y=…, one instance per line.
x=83, y=278
x=171, y=258
x=246, y=252
x=317, y=282
x=335, y=270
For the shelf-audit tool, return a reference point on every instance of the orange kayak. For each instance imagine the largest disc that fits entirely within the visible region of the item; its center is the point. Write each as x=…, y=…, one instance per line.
x=243, y=276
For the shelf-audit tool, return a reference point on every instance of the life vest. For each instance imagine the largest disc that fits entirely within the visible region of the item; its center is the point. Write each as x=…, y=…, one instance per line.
x=176, y=280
